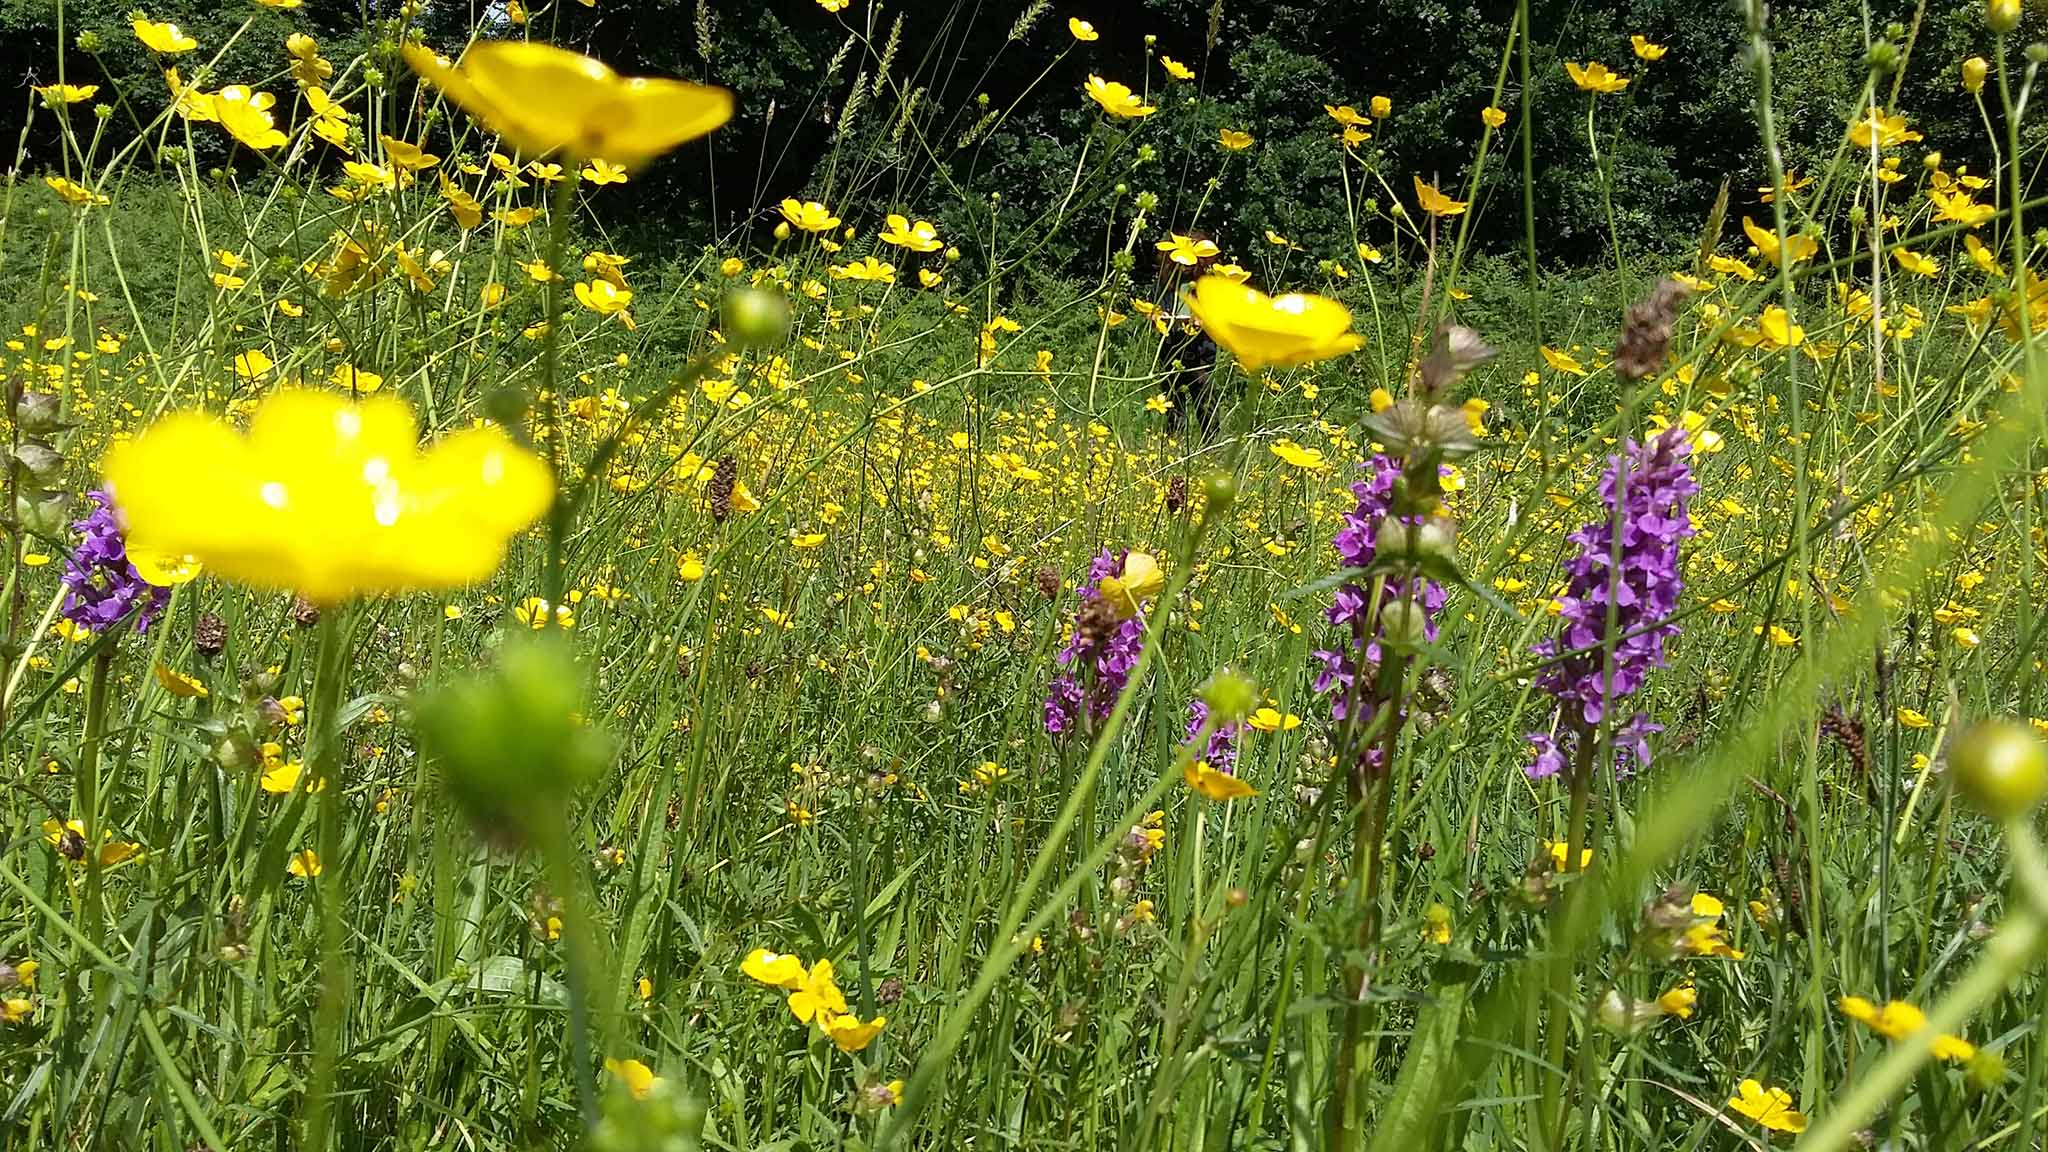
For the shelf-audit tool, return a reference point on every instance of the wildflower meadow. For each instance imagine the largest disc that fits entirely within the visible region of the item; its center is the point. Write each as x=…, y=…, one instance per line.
x=1032, y=579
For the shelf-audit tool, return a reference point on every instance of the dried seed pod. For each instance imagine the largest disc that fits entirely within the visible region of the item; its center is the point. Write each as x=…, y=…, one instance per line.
x=1646, y=333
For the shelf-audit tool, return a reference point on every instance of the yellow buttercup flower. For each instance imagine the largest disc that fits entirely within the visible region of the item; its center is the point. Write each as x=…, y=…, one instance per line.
x=639, y=1080
x=1436, y=203
x=849, y=1033
x=327, y=497
x=246, y=116
x=1306, y=458
x=917, y=237
x=775, y=969
x=1494, y=117
x=1082, y=30
x=1176, y=69
x=1234, y=140
x=1277, y=331
x=1213, y=784
x=1186, y=250
x=1645, y=50
x=1140, y=580
x=817, y=995
x=808, y=215
x=1117, y=99
x=1798, y=246
x=1595, y=78
x=165, y=39
x=1770, y=1107
x=545, y=100
x=604, y=297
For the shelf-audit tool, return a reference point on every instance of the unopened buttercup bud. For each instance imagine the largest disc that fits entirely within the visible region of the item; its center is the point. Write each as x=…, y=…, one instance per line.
x=2002, y=16
x=755, y=318
x=2000, y=767
x=1230, y=696
x=1219, y=492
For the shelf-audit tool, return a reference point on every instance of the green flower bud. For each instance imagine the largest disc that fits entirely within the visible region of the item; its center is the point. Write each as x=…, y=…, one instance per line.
x=2001, y=767
x=510, y=741
x=1434, y=538
x=1404, y=623
x=1219, y=492
x=755, y=318
x=1230, y=695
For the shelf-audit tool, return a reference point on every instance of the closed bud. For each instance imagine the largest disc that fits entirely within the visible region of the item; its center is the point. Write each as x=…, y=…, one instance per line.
x=1883, y=58
x=1230, y=696
x=1219, y=492
x=1404, y=623
x=511, y=741
x=1436, y=538
x=2002, y=16
x=1975, y=69
x=2001, y=767
x=755, y=318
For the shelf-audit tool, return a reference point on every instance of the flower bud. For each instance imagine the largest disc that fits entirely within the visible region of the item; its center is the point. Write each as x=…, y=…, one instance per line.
x=1404, y=623
x=1975, y=69
x=754, y=318
x=1219, y=492
x=1230, y=696
x=510, y=741
x=1436, y=538
x=2002, y=16
x=2000, y=767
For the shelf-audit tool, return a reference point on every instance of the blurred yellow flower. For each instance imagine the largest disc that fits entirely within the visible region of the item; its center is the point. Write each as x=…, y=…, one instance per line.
x=1140, y=580
x=1645, y=50
x=1234, y=140
x=545, y=99
x=1271, y=331
x=326, y=497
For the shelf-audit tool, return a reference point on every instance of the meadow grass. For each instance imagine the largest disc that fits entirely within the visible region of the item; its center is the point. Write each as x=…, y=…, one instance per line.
x=417, y=860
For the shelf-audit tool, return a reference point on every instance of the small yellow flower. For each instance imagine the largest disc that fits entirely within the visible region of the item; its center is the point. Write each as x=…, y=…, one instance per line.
x=1436, y=924
x=1770, y=1107
x=1140, y=580
x=1213, y=784
x=1234, y=140
x=775, y=969
x=1082, y=30
x=1911, y=719
x=1187, y=251
x=1645, y=50
x=305, y=864
x=638, y=1079
x=1436, y=203
x=1494, y=117
x=1595, y=78
x=849, y=1034
x=808, y=215
x=1176, y=69
x=920, y=236
x=817, y=995
x=1680, y=1000
x=178, y=684
x=1117, y=99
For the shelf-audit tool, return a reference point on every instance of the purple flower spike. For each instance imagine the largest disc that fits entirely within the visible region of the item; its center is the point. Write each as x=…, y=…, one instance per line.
x=102, y=585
